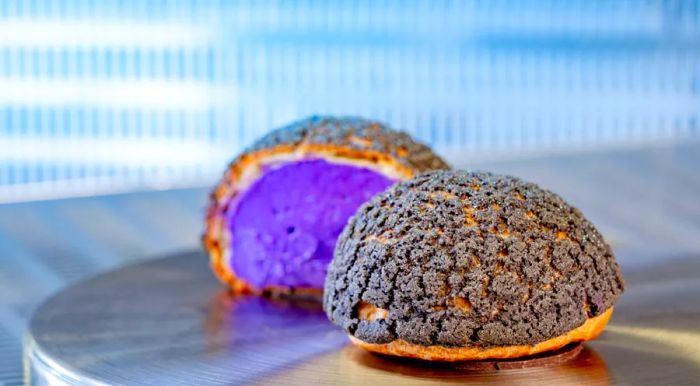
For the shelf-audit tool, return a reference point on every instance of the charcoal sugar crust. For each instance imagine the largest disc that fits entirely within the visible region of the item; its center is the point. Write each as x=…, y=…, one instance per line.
x=339, y=141
x=468, y=259
x=357, y=134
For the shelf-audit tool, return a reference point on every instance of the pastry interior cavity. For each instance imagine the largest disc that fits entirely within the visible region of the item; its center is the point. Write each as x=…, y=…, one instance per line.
x=285, y=225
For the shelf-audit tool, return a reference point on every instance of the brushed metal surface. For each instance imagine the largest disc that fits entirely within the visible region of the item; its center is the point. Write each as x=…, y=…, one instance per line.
x=168, y=322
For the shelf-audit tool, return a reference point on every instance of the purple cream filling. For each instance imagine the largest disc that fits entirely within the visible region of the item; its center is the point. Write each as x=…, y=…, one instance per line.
x=286, y=224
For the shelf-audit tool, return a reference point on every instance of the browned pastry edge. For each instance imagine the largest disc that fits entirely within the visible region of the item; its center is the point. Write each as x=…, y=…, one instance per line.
x=412, y=366
x=589, y=330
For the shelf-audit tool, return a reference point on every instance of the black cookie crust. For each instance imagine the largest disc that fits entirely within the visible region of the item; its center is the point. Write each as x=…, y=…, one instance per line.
x=469, y=259
x=354, y=133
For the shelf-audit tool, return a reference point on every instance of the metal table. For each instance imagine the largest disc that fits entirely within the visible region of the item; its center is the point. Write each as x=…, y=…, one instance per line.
x=643, y=200
x=167, y=322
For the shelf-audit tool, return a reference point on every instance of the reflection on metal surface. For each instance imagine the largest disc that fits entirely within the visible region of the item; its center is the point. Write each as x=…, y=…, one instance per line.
x=356, y=366
x=683, y=344
x=169, y=322
x=238, y=319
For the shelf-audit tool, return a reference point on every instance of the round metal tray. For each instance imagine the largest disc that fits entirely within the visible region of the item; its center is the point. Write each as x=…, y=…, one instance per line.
x=168, y=322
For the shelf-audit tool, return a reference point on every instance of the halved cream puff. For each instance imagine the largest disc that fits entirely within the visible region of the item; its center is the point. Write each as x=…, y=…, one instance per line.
x=274, y=218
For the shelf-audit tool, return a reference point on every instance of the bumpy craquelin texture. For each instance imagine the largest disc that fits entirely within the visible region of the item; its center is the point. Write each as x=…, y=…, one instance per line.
x=354, y=133
x=351, y=140
x=457, y=258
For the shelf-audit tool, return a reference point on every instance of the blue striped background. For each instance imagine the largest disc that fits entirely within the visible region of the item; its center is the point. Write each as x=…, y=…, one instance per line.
x=110, y=96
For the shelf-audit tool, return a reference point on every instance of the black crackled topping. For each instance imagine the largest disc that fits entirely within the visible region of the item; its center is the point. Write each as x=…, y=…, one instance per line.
x=469, y=258
x=354, y=133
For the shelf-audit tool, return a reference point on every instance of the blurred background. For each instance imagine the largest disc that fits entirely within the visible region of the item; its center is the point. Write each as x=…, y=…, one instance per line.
x=104, y=101
x=103, y=96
